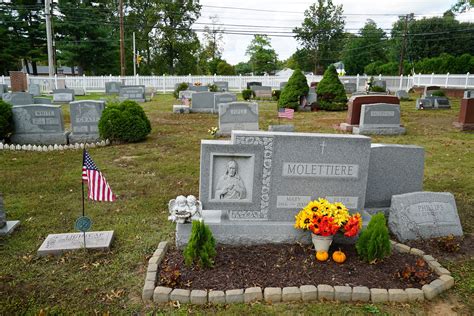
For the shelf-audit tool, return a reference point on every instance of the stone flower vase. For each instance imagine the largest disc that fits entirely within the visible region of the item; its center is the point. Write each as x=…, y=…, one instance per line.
x=321, y=243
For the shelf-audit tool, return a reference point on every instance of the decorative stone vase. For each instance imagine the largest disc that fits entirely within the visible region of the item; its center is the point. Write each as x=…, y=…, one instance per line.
x=321, y=243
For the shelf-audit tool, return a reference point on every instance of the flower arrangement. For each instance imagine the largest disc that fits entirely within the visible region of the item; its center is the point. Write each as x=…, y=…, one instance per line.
x=213, y=131
x=197, y=84
x=325, y=219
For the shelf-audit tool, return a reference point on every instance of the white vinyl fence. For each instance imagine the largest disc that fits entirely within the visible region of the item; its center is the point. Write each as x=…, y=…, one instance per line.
x=166, y=84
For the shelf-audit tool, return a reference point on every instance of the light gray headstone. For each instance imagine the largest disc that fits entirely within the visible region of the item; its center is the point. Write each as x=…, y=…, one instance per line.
x=79, y=91
x=222, y=86
x=186, y=94
x=203, y=102
x=61, y=84
x=350, y=87
x=198, y=88
x=63, y=95
x=261, y=88
x=34, y=89
x=39, y=124
x=468, y=94
x=42, y=100
x=423, y=215
x=402, y=95
x=134, y=93
x=281, y=128
x=18, y=98
x=379, y=118
x=3, y=88
x=253, y=83
x=85, y=116
x=223, y=98
x=57, y=243
x=393, y=169
x=112, y=87
x=238, y=116
x=312, y=96
x=380, y=83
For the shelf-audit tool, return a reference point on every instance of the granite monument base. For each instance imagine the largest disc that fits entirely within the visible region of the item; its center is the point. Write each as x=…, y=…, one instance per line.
x=202, y=110
x=9, y=227
x=41, y=139
x=56, y=244
x=281, y=128
x=359, y=130
x=83, y=138
x=464, y=127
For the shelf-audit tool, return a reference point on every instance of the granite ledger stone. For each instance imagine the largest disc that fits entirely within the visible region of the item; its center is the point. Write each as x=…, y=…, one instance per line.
x=423, y=215
x=58, y=243
x=85, y=116
x=6, y=227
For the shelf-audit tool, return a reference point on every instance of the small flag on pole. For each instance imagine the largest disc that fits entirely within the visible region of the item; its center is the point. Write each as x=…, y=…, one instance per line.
x=286, y=113
x=98, y=188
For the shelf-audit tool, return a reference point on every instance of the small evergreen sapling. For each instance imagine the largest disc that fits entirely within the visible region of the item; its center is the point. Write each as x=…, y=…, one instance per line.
x=331, y=92
x=201, y=248
x=296, y=88
x=374, y=242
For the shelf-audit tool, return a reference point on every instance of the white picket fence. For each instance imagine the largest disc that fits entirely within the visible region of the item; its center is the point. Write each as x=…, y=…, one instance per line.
x=166, y=84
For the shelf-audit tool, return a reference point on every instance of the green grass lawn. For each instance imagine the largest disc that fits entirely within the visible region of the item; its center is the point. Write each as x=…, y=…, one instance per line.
x=43, y=191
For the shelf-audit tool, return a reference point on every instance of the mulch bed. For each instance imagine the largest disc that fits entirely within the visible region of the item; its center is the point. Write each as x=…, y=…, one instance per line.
x=291, y=265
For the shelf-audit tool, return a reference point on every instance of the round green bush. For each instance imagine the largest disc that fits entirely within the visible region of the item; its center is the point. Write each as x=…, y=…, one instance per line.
x=377, y=89
x=212, y=87
x=276, y=95
x=296, y=87
x=331, y=93
x=438, y=93
x=6, y=119
x=124, y=122
x=247, y=94
x=181, y=87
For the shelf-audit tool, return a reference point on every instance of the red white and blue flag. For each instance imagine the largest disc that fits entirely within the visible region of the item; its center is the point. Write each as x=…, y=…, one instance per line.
x=286, y=113
x=98, y=188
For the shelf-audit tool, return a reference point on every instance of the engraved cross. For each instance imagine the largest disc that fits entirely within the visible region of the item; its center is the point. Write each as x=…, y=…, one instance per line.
x=322, y=147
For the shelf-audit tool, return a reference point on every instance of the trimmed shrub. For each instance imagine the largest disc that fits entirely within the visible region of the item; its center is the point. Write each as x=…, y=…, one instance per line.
x=247, y=94
x=296, y=87
x=331, y=92
x=377, y=89
x=374, y=242
x=438, y=93
x=6, y=119
x=276, y=95
x=212, y=87
x=124, y=122
x=182, y=86
x=201, y=248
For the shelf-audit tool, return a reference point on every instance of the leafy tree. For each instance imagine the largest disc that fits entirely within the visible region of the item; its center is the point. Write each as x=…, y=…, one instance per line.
x=301, y=59
x=462, y=5
x=243, y=68
x=331, y=93
x=322, y=33
x=225, y=69
x=296, y=88
x=368, y=47
x=263, y=58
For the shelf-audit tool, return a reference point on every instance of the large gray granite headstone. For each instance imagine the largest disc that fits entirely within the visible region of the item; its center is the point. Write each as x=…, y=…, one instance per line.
x=402, y=95
x=379, y=119
x=134, y=93
x=6, y=227
x=203, y=102
x=238, y=116
x=34, y=89
x=42, y=100
x=63, y=95
x=222, y=86
x=85, y=116
x=39, y=124
x=186, y=94
x=56, y=244
x=393, y=169
x=422, y=215
x=223, y=98
x=198, y=88
x=112, y=87
x=18, y=98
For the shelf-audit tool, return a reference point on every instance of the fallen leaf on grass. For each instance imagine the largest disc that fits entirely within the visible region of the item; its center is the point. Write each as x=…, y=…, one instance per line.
x=176, y=304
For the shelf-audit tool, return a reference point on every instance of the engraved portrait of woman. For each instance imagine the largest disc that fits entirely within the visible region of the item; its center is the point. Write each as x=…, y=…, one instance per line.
x=230, y=186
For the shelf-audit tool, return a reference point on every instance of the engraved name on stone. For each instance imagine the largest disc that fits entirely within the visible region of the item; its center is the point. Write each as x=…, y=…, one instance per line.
x=348, y=201
x=44, y=113
x=382, y=113
x=238, y=111
x=91, y=119
x=45, y=121
x=285, y=201
x=432, y=212
x=294, y=169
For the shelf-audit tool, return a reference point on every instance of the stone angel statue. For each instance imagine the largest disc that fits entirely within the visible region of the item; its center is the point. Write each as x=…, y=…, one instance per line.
x=185, y=209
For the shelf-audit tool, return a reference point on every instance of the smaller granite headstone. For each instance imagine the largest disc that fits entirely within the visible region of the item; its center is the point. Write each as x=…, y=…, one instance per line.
x=134, y=93
x=203, y=102
x=442, y=103
x=423, y=215
x=42, y=100
x=253, y=83
x=112, y=87
x=63, y=95
x=181, y=109
x=6, y=227
x=223, y=98
x=55, y=244
x=61, y=84
x=34, y=89
x=79, y=91
x=312, y=96
x=85, y=116
x=350, y=87
x=379, y=119
x=281, y=128
x=402, y=95
x=198, y=88
x=18, y=98
x=422, y=104
x=186, y=94
x=222, y=86
x=380, y=83
x=263, y=92
x=237, y=116
x=3, y=88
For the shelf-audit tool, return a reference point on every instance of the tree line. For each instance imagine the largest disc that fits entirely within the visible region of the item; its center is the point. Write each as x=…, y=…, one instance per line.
x=86, y=37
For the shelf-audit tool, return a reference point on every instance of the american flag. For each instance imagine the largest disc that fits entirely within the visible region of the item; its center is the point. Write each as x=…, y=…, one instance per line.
x=286, y=113
x=99, y=189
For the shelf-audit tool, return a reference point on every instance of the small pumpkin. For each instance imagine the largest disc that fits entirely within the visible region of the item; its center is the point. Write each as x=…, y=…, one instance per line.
x=339, y=256
x=322, y=255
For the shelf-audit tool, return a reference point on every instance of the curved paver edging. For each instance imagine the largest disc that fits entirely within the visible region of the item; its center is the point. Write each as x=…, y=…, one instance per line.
x=55, y=147
x=305, y=293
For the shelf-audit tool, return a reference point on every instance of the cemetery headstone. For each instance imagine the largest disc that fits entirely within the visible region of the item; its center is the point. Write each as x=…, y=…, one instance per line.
x=466, y=114
x=283, y=84
x=258, y=181
x=63, y=95
x=350, y=87
x=312, y=96
x=39, y=124
x=181, y=109
x=3, y=88
x=198, y=88
x=34, y=89
x=264, y=92
x=186, y=94
x=112, y=87
x=79, y=91
x=237, y=116
x=149, y=93
x=203, y=102
x=423, y=215
x=56, y=244
x=222, y=86
x=6, y=227
x=442, y=103
x=379, y=119
x=281, y=128
x=85, y=116
x=253, y=83
x=61, y=84
x=223, y=98
x=134, y=93
x=422, y=103
x=41, y=100
x=18, y=98
x=433, y=102
x=429, y=90
x=380, y=83
x=18, y=81
x=393, y=169
x=402, y=95
x=468, y=94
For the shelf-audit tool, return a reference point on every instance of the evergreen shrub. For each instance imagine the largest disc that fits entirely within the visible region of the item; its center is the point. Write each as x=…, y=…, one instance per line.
x=331, y=92
x=247, y=94
x=276, y=95
x=438, y=93
x=6, y=119
x=212, y=87
x=377, y=89
x=296, y=87
x=181, y=87
x=201, y=248
x=124, y=122
x=374, y=241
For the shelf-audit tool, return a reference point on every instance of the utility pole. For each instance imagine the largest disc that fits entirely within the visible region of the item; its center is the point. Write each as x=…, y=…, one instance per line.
x=49, y=37
x=122, y=47
x=404, y=44
x=134, y=57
